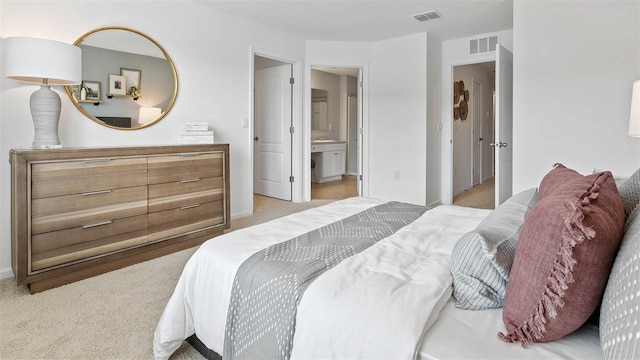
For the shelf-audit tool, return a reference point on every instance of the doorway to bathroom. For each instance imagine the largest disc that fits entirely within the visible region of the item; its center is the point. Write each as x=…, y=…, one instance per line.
x=336, y=136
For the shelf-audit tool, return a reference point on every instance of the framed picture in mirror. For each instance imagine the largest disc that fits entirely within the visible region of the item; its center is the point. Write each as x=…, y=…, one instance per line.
x=117, y=85
x=133, y=80
x=92, y=89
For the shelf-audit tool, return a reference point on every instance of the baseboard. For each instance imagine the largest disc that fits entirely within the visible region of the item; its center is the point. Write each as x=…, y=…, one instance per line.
x=240, y=215
x=6, y=273
x=435, y=203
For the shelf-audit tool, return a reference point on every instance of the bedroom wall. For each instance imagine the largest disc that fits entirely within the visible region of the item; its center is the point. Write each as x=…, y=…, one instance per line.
x=395, y=95
x=434, y=121
x=398, y=119
x=572, y=87
x=212, y=54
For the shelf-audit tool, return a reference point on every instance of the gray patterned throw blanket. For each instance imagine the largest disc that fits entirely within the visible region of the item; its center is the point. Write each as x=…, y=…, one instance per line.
x=269, y=285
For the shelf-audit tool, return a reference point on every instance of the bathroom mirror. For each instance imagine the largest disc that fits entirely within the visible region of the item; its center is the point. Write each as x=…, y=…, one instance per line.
x=319, y=109
x=128, y=80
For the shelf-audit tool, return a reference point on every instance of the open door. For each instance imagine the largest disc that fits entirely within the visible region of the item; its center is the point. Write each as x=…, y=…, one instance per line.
x=359, y=133
x=476, y=136
x=272, y=137
x=503, y=144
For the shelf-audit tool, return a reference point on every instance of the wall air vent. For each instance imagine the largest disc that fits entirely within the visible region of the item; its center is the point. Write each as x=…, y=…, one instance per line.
x=429, y=15
x=483, y=45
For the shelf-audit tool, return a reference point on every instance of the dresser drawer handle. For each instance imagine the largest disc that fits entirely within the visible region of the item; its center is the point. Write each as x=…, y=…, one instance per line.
x=188, y=181
x=97, y=224
x=189, y=206
x=96, y=192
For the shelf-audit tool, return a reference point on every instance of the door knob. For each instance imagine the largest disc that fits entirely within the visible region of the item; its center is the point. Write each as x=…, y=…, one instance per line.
x=255, y=138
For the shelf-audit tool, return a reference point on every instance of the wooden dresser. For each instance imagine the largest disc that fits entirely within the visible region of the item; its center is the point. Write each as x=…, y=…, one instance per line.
x=77, y=213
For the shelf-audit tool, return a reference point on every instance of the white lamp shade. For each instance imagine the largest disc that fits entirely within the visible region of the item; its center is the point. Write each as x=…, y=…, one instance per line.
x=634, y=117
x=147, y=114
x=36, y=60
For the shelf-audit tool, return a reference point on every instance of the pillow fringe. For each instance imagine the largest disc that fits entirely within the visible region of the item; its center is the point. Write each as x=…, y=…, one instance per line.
x=573, y=233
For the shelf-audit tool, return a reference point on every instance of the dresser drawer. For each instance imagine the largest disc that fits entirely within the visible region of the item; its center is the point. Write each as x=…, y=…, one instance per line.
x=188, y=166
x=72, y=177
x=64, y=246
x=173, y=222
x=187, y=192
x=335, y=147
x=62, y=212
x=86, y=250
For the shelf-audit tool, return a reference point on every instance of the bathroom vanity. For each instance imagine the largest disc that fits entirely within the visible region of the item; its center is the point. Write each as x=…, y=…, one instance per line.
x=330, y=158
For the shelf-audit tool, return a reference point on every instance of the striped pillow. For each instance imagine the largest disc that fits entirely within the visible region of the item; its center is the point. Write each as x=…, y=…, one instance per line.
x=481, y=260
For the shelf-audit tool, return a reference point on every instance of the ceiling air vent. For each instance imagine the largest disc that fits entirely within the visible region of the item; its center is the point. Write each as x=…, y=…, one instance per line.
x=429, y=15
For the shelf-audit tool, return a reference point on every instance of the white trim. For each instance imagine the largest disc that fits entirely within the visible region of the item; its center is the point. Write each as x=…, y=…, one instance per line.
x=6, y=273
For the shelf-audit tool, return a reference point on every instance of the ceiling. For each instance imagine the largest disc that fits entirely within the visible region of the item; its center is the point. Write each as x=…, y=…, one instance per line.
x=371, y=20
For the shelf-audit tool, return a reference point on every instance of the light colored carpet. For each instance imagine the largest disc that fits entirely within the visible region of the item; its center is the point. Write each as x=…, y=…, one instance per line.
x=481, y=196
x=110, y=316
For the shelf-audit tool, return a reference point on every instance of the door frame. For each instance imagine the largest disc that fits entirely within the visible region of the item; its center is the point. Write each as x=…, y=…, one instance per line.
x=447, y=128
x=363, y=101
x=297, y=106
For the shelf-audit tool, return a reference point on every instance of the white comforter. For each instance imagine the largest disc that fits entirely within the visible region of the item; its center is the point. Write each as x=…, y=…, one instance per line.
x=393, y=290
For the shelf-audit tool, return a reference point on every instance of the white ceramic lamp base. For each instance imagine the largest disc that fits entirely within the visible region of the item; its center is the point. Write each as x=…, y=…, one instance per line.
x=45, y=111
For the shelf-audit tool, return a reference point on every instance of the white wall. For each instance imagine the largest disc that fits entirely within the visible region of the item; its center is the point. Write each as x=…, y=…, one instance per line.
x=434, y=121
x=212, y=54
x=574, y=63
x=395, y=96
x=398, y=119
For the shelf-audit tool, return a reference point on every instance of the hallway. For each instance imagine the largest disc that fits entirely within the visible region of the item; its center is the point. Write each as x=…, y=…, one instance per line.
x=481, y=196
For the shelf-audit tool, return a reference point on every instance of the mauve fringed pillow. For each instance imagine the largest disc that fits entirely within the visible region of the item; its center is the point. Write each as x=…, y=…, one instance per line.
x=564, y=254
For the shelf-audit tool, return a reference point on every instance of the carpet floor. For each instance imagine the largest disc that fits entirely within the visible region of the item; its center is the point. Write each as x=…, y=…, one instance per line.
x=110, y=316
x=481, y=196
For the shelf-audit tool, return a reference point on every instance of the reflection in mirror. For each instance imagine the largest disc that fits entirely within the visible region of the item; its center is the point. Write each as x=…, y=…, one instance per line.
x=129, y=81
x=319, y=109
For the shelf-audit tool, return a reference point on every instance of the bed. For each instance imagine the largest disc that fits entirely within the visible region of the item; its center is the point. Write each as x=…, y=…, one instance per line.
x=392, y=299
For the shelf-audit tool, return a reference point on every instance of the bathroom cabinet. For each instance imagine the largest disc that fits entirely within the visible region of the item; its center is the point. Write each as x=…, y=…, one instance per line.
x=330, y=160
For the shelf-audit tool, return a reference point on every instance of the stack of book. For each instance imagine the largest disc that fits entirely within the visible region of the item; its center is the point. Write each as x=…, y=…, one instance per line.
x=197, y=133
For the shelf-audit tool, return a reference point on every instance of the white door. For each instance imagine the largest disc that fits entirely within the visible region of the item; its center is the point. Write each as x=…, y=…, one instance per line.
x=352, y=134
x=476, y=133
x=359, y=132
x=272, y=137
x=503, y=144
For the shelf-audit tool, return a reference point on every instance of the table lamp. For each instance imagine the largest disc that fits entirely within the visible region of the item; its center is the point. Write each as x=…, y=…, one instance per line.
x=44, y=62
x=634, y=117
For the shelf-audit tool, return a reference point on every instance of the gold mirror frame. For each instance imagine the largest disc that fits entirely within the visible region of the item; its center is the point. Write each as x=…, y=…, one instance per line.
x=167, y=57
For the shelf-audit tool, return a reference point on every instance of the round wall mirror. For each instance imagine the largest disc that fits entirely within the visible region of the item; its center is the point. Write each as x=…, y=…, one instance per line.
x=128, y=80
